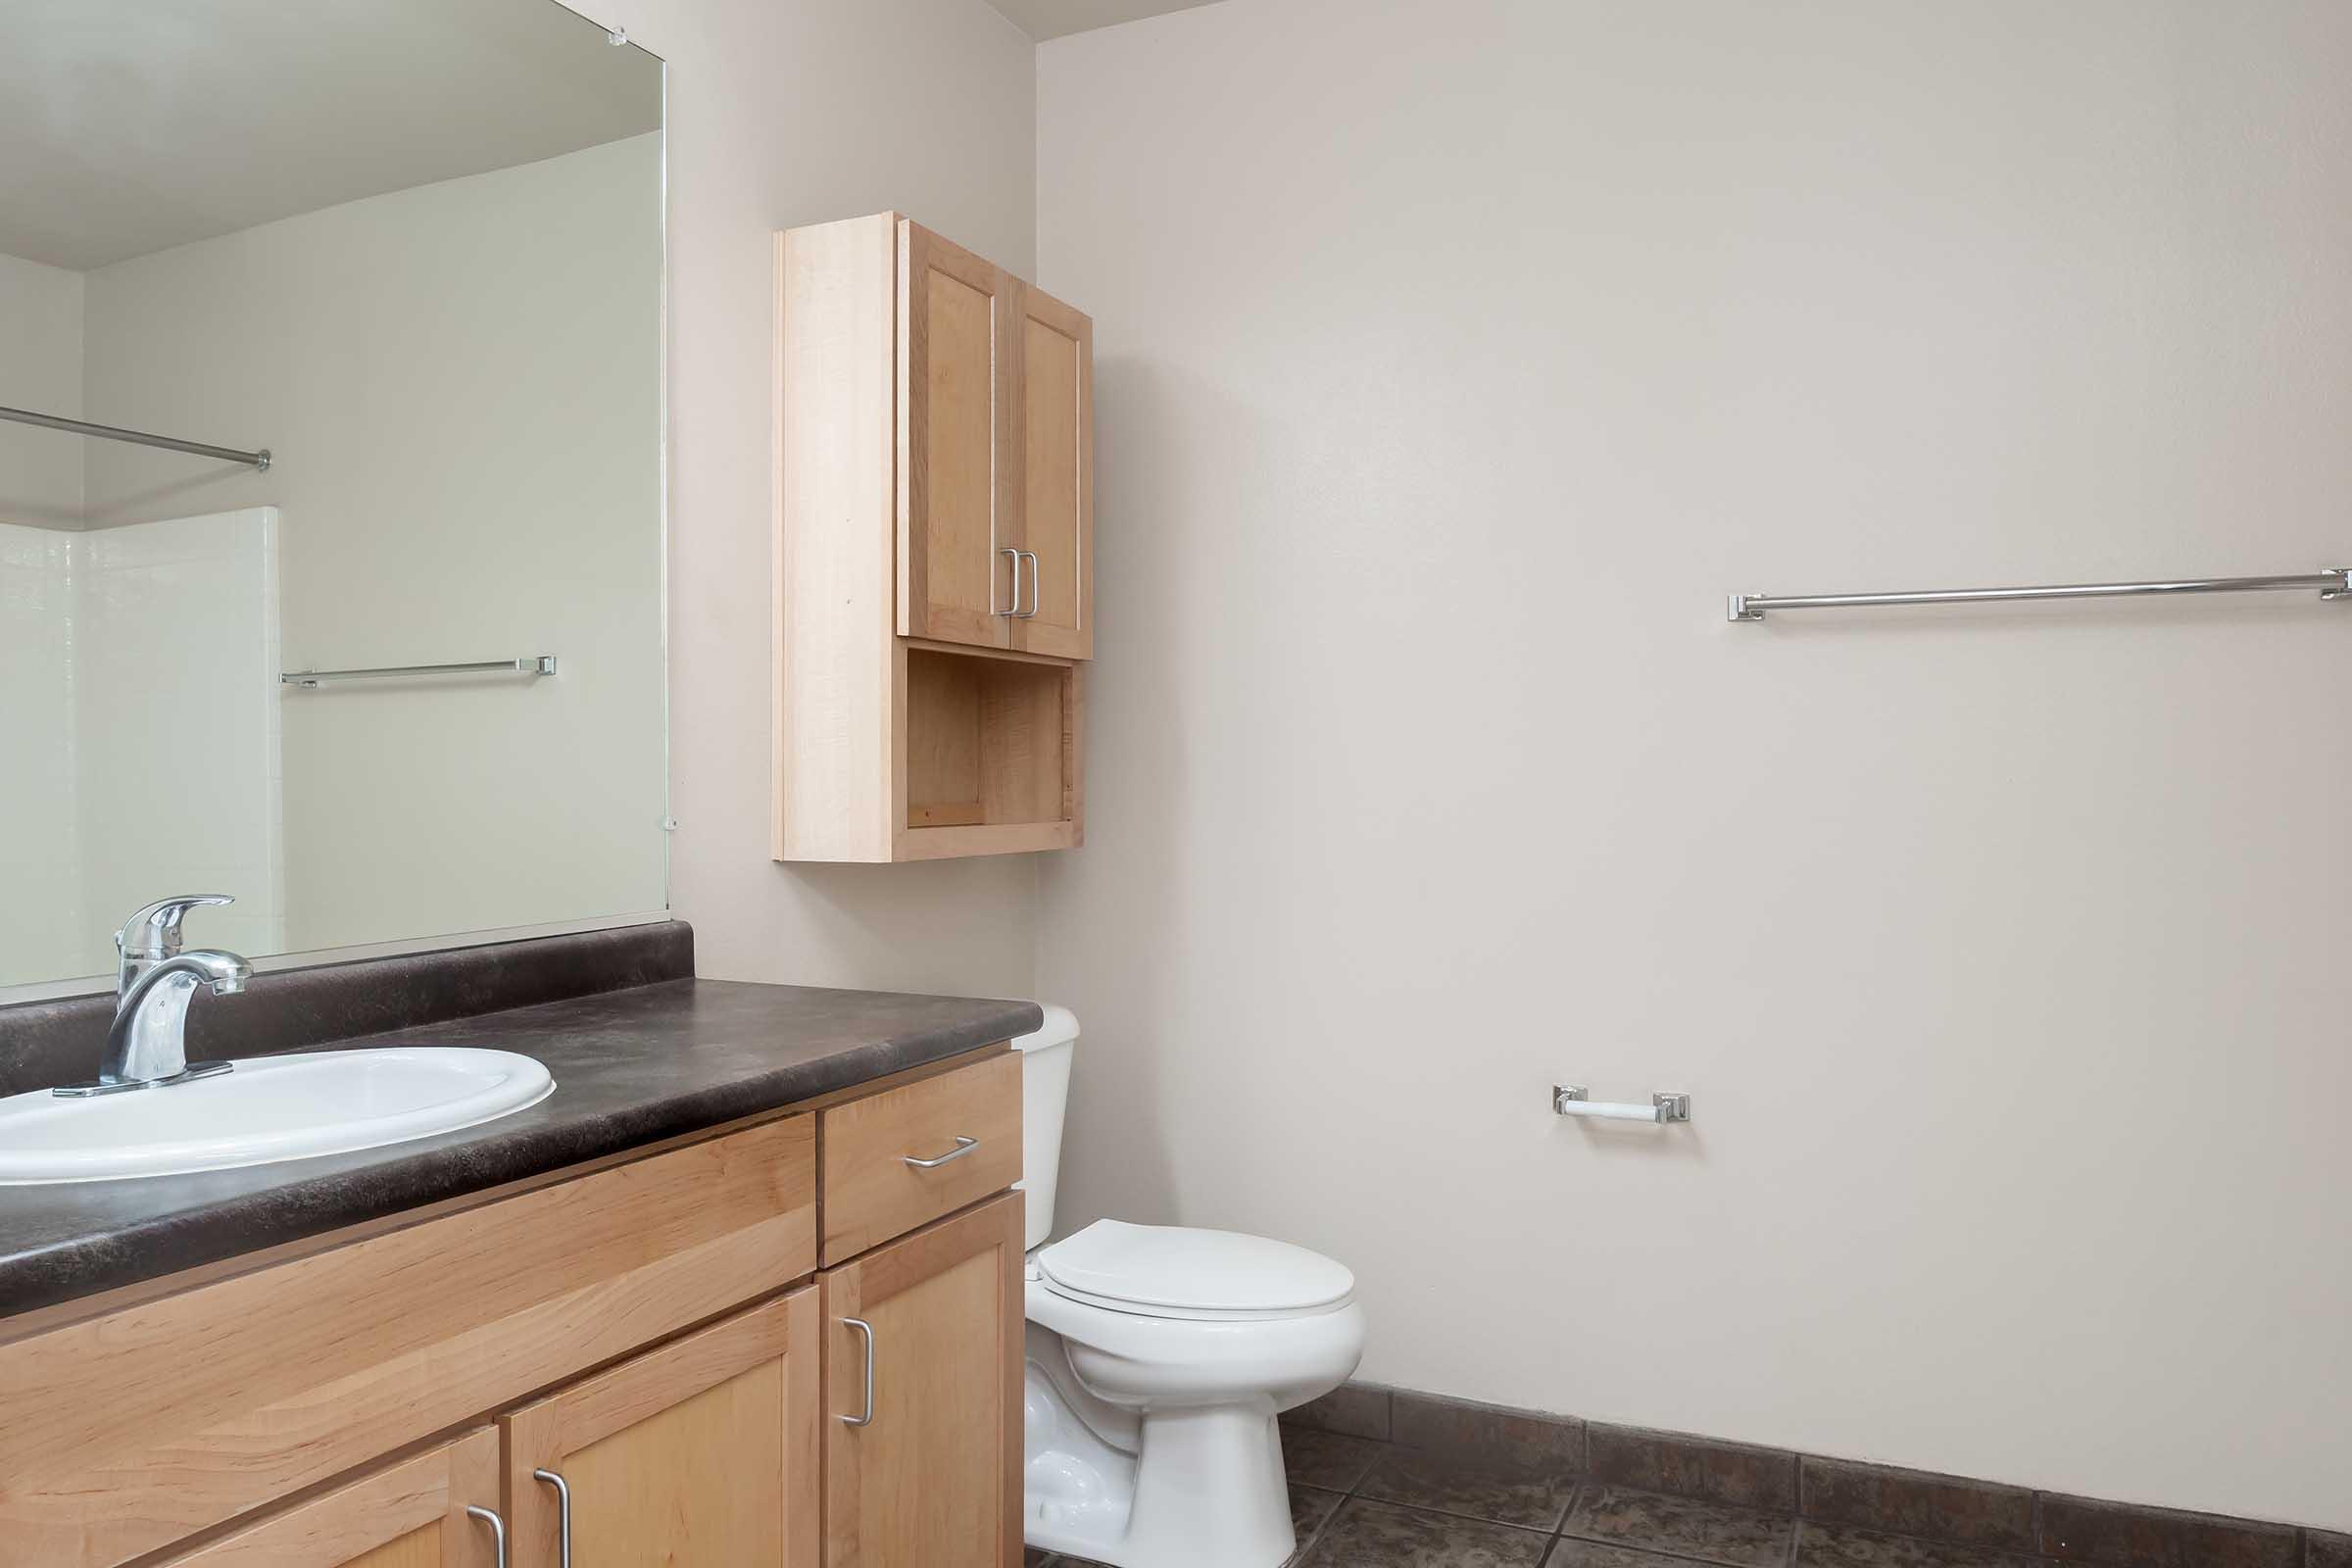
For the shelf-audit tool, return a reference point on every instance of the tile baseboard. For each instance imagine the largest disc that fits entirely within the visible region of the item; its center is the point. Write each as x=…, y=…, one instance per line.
x=1986, y=1520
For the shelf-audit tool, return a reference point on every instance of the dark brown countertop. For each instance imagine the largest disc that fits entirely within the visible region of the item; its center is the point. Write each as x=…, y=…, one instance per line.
x=632, y=1067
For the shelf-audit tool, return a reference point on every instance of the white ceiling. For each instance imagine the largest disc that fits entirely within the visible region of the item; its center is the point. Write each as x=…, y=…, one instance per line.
x=1050, y=18
x=130, y=125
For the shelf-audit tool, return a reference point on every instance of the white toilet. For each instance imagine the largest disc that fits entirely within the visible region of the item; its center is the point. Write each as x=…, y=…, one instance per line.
x=1157, y=1357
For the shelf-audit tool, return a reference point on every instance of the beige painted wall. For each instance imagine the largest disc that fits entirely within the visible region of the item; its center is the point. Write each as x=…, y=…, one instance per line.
x=1454, y=361
x=426, y=516
x=784, y=114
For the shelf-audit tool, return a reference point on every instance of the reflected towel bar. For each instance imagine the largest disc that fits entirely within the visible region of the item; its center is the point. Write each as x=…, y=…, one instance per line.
x=313, y=679
x=2333, y=583
x=1568, y=1100
x=258, y=462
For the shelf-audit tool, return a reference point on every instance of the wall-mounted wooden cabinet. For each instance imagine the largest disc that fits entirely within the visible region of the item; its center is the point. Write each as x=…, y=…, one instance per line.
x=934, y=550
x=994, y=514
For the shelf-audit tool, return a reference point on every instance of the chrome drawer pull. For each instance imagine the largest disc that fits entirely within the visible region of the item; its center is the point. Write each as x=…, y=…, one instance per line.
x=498, y=1528
x=867, y=1419
x=563, y=1504
x=963, y=1147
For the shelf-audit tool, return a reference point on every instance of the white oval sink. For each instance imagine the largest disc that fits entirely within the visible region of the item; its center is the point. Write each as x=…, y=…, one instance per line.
x=269, y=1108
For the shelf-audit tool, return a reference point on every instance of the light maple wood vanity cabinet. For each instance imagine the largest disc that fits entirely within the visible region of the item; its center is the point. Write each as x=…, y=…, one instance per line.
x=934, y=550
x=650, y=1346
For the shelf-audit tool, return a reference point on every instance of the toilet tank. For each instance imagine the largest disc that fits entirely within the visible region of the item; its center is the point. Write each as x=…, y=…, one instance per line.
x=1044, y=1094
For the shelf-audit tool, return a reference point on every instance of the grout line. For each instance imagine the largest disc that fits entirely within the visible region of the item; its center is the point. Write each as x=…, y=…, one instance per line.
x=1576, y=1495
x=1645, y=1549
x=1300, y=1552
x=1548, y=1531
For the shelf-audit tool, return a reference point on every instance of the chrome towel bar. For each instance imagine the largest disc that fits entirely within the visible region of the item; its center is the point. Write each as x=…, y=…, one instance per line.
x=2333, y=583
x=313, y=679
x=1568, y=1100
x=258, y=462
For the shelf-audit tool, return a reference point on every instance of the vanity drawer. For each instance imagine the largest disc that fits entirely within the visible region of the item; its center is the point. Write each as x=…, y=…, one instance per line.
x=900, y=1158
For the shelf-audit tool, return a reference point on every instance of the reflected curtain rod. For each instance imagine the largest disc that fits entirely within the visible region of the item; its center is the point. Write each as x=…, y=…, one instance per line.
x=258, y=462
x=2333, y=583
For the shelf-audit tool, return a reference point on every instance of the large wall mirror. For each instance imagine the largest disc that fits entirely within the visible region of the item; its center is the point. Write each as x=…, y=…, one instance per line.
x=413, y=251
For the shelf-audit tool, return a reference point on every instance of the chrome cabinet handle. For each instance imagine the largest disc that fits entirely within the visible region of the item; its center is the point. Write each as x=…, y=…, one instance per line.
x=498, y=1528
x=866, y=1328
x=1008, y=550
x=564, y=1514
x=963, y=1147
x=1031, y=615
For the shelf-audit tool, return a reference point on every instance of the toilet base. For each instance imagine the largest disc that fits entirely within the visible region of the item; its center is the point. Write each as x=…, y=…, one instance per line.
x=1202, y=1484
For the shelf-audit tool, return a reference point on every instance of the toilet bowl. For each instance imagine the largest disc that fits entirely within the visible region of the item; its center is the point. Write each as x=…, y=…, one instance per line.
x=1158, y=1359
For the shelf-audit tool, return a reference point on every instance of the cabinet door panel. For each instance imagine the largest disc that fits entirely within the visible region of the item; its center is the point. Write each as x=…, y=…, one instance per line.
x=700, y=1455
x=955, y=377
x=411, y=1514
x=934, y=1478
x=1057, y=477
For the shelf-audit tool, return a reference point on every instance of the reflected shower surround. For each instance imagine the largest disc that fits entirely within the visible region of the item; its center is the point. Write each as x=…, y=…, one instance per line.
x=150, y=641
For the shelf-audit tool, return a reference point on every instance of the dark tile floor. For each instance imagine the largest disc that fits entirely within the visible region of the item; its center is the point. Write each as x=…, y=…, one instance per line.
x=1362, y=1504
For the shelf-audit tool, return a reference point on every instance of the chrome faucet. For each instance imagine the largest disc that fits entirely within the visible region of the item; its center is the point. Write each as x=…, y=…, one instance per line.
x=147, y=1047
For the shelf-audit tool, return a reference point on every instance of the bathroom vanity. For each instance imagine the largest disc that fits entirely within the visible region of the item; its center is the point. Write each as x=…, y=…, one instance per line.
x=744, y=1289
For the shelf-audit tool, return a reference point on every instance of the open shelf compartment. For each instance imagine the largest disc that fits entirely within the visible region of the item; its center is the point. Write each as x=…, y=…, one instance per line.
x=992, y=750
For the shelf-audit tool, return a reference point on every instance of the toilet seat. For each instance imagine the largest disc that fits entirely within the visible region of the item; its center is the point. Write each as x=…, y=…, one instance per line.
x=1176, y=1272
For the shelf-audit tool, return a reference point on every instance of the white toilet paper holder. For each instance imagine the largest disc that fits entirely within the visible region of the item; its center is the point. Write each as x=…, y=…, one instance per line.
x=1569, y=1099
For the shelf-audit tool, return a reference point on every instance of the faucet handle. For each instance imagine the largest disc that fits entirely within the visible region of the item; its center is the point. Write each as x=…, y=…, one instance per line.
x=153, y=934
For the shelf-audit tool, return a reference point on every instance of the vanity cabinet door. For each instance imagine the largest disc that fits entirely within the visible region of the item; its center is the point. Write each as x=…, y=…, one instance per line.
x=700, y=1455
x=923, y=1397
x=955, y=391
x=1055, y=442
x=406, y=1515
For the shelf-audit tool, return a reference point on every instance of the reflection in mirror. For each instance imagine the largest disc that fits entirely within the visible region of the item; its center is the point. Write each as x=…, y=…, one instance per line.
x=413, y=251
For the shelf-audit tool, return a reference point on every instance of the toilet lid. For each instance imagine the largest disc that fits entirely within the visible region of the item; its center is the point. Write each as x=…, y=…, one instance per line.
x=1169, y=1268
